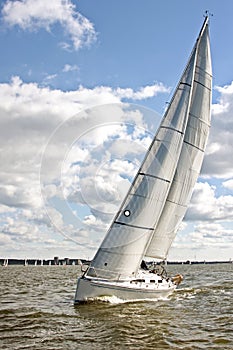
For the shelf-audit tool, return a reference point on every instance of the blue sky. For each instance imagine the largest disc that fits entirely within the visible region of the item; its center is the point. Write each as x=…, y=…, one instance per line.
x=60, y=58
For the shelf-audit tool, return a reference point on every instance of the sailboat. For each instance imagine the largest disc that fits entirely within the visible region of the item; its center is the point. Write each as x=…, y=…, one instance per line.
x=5, y=263
x=149, y=217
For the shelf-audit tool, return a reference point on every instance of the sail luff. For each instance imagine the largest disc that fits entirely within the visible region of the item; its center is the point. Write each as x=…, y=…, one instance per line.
x=121, y=251
x=192, y=153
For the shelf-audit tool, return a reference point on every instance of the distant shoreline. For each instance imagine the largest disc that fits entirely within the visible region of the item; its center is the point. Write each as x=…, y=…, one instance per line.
x=69, y=261
x=37, y=262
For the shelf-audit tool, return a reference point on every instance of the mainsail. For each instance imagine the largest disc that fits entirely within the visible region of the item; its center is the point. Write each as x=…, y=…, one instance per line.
x=192, y=153
x=157, y=199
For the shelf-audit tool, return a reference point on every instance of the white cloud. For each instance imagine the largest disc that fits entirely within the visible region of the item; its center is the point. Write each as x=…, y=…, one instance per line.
x=206, y=205
x=228, y=184
x=32, y=15
x=5, y=209
x=143, y=92
x=47, y=80
x=69, y=68
x=218, y=158
x=96, y=169
x=5, y=240
x=29, y=117
x=212, y=233
x=205, y=241
x=90, y=159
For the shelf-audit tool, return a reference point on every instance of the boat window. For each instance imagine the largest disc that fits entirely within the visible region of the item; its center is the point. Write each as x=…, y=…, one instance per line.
x=127, y=213
x=138, y=280
x=152, y=281
x=160, y=281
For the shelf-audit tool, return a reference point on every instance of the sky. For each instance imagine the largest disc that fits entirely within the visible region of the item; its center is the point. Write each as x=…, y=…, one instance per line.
x=83, y=86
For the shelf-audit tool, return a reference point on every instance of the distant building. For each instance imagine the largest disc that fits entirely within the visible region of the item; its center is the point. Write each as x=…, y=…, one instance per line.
x=56, y=260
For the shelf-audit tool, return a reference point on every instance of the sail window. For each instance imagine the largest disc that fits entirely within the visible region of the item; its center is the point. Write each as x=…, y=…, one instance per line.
x=127, y=213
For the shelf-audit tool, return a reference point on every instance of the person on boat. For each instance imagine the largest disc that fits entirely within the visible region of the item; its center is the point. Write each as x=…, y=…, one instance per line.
x=144, y=265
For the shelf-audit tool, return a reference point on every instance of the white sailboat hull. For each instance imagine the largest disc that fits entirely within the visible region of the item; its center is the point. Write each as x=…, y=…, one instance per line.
x=89, y=289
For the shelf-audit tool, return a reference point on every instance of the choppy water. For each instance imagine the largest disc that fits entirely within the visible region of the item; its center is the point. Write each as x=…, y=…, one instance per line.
x=37, y=312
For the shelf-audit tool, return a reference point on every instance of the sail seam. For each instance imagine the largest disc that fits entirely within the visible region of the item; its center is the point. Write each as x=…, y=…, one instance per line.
x=134, y=226
x=203, y=70
x=191, y=144
x=175, y=202
x=201, y=120
x=155, y=177
x=198, y=82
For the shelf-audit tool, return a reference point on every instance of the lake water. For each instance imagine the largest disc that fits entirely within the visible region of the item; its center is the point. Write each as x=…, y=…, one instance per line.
x=37, y=312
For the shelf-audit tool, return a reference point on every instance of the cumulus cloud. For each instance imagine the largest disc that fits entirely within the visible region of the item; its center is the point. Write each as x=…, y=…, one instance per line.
x=33, y=116
x=142, y=93
x=99, y=155
x=217, y=238
x=218, y=158
x=207, y=226
x=29, y=100
x=228, y=184
x=33, y=15
x=212, y=234
x=206, y=205
x=90, y=157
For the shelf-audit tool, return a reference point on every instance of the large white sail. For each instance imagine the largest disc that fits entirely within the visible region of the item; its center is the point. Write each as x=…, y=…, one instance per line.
x=192, y=153
x=121, y=251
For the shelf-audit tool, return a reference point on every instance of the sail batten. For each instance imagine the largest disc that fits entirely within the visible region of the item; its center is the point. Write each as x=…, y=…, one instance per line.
x=201, y=120
x=134, y=226
x=191, y=144
x=198, y=82
x=156, y=177
x=173, y=129
x=148, y=218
